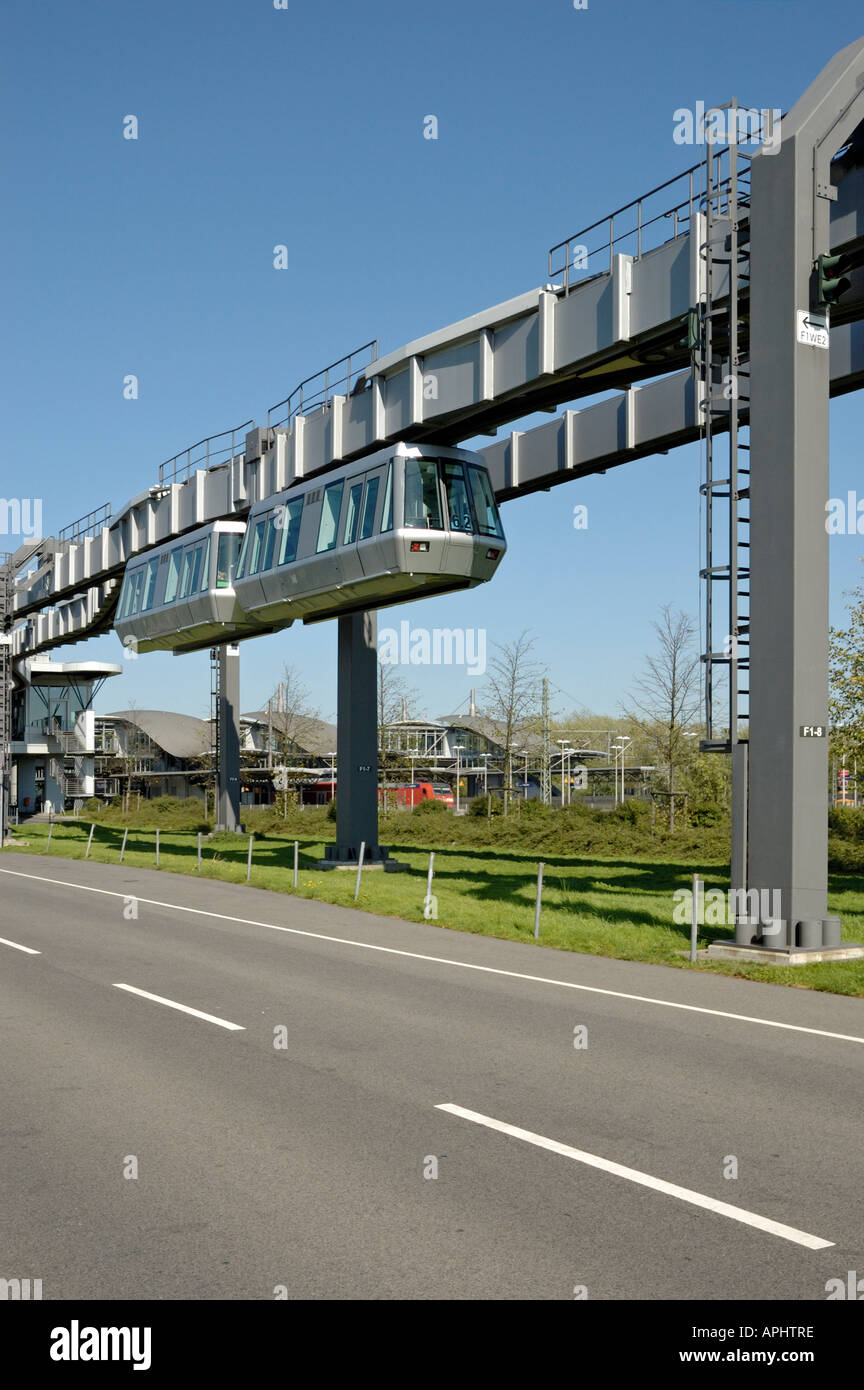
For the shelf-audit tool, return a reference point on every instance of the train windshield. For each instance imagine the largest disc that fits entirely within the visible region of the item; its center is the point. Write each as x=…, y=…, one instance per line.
x=485, y=506
x=458, y=502
x=422, y=498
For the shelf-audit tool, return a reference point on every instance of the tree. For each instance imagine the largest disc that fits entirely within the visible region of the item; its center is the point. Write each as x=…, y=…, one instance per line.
x=289, y=712
x=846, y=677
x=396, y=700
x=666, y=699
x=513, y=686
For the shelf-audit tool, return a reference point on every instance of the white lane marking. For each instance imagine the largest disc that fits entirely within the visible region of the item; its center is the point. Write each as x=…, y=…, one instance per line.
x=15, y=946
x=184, y=1008
x=446, y=960
x=684, y=1194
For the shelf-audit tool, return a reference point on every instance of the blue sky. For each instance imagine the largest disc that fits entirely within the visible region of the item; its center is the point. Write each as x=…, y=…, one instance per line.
x=304, y=127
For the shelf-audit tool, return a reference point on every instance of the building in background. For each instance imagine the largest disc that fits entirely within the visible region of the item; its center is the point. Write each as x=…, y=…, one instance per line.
x=54, y=734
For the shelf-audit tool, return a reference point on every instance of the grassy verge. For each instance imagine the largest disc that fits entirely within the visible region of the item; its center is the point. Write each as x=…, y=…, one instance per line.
x=619, y=907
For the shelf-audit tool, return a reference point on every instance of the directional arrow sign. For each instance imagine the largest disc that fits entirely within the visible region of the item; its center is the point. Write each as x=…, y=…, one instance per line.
x=812, y=329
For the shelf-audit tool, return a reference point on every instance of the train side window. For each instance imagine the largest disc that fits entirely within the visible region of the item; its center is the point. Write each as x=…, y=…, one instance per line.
x=173, y=575
x=387, y=512
x=288, y=520
x=135, y=600
x=270, y=534
x=255, y=548
x=149, y=585
x=204, y=574
x=458, y=501
x=227, y=558
x=329, y=517
x=352, y=513
x=191, y=564
x=123, y=605
x=485, y=506
x=244, y=553
x=422, y=498
x=367, y=525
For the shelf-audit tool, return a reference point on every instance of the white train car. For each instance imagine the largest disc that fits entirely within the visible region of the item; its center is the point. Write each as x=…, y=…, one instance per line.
x=406, y=522
x=403, y=523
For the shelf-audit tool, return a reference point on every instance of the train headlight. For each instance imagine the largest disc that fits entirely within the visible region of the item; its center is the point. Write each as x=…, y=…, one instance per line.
x=419, y=545
x=492, y=554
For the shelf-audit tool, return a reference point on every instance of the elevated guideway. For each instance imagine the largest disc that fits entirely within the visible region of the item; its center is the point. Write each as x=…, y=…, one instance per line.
x=704, y=307
x=570, y=339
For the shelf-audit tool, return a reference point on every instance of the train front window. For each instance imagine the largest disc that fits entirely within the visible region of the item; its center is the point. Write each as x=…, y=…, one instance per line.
x=485, y=506
x=288, y=520
x=352, y=514
x=367, y=525
x=458, y=502
x=422, y=498
x=227, y=555
x=329, y=517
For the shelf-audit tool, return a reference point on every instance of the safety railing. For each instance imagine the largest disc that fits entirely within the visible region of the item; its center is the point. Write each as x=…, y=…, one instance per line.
x=207, y=453
x=318, y=390
x=650, y=220
x=88, y=525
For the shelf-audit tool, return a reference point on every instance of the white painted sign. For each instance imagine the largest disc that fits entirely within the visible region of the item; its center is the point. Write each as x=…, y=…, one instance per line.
x=812, y=329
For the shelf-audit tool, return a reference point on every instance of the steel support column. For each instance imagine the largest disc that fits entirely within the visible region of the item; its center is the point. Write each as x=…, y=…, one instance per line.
x=357, y=742
x=228, y=714
x=791, y=197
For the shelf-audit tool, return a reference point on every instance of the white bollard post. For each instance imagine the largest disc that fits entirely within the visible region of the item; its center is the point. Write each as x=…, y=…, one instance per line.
x=296, y=857
x=694, y=917
x=123, y=846
x=359, y=869
x=157, y=849
x=429, y=879
x=89, y=842
x=540, y=868
x=199, y=851
x=50, y=830
x=249, y=860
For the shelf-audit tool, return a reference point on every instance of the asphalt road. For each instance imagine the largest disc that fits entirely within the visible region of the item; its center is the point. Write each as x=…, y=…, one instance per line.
x=303, y=1165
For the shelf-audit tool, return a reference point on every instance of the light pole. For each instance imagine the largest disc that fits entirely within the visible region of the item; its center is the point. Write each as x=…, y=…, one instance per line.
x=571, y=753
x=457, y=749
x=332, y=757
x=563, y=742
x=624, y=740
x=486, y=757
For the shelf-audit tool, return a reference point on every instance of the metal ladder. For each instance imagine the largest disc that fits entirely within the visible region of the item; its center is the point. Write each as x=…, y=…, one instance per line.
x=722, y=367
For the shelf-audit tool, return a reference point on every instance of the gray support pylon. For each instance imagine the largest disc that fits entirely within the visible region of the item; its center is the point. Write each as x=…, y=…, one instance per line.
x=357, y=741
x=790, y=486
x=228, y=739
x=738, y=867
x=5, y=694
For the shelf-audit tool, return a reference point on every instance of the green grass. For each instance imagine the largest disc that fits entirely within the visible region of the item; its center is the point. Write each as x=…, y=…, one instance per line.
x=620, y=907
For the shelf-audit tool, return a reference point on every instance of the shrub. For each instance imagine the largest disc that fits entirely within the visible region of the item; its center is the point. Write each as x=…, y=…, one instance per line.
x=430, y=808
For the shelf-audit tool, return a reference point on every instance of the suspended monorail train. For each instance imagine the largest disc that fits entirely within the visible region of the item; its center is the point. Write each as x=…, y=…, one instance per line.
x=406, y=522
